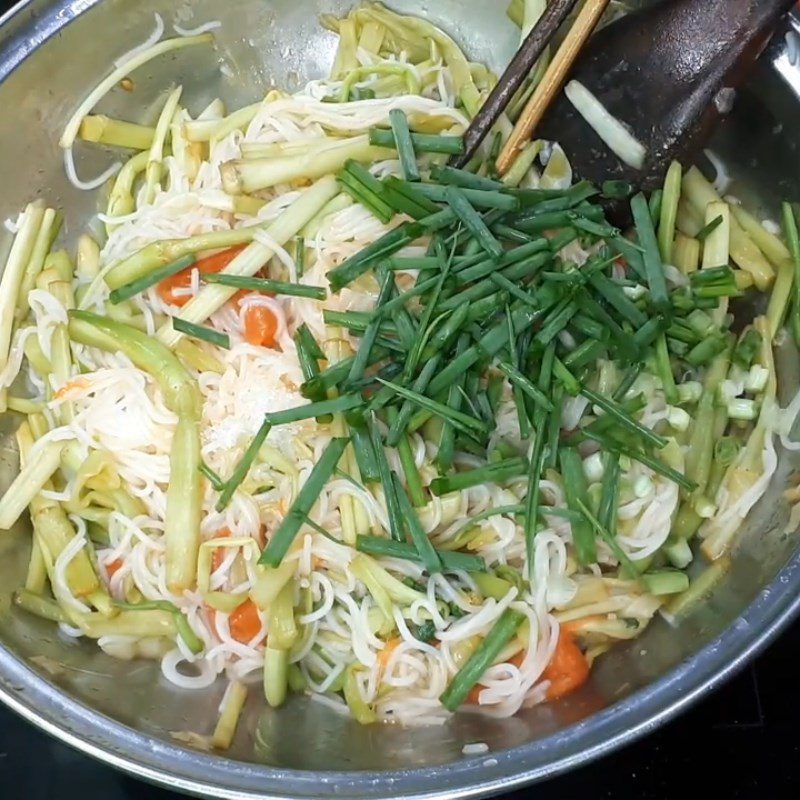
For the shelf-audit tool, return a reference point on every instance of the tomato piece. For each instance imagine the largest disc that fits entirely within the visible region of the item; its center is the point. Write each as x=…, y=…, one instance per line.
x=568, y=668
x=219, y=552
x=183, y=280
x=244, y=622
x=260, y=326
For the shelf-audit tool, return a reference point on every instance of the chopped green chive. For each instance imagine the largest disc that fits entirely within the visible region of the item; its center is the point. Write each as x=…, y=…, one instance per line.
x=201, y=332
x=451, y=561
x=290, y=526
x=404, y=144
x=141, y=284
x=243, y=467
x=483, y=658
x=423, y=142
x=472, y=221
x=346, y=402
x=498, y=472
x=266, y=285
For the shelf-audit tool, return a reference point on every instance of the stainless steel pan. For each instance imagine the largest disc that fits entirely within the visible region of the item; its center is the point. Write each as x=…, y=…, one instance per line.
x=51, y=53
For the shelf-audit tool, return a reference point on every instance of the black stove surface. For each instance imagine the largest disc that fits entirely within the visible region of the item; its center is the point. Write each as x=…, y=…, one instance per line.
x=742, y=742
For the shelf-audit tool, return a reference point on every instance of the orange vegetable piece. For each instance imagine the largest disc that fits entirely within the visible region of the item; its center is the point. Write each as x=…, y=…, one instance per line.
x=113, y=566
x=386, y=653
x=260, y=326
x=183, y=279
x=244, y=622
x=219, y=552
x=474, y=696
x=568, y=668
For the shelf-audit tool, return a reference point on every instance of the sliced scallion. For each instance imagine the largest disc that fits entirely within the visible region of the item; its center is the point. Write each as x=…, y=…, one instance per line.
x=301, y=507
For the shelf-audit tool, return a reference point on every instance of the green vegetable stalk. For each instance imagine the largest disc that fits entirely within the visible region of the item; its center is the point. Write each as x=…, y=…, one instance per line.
x=181, y=396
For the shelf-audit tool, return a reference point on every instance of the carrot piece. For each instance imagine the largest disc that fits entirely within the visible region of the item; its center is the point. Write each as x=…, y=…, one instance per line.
x=474, y=696
x=219, y=552
x=568, y=668
x=113, y=566
x=386, y=653
x=183, y=279
x=260, y=326
x=245, y=622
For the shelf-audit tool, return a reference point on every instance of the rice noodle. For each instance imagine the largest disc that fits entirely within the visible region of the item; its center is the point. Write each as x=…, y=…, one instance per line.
x=204, y=28
x=145, y=45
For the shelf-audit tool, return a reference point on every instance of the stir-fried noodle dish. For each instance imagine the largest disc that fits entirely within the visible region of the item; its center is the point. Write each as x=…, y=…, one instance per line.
x=308, y=411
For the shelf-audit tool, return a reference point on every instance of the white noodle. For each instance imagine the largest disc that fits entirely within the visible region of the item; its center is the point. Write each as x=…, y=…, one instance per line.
x=93, y=183
x=145, y=45
x=204, y=28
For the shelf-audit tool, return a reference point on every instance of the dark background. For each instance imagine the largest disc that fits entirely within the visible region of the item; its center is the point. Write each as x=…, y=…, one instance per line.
x=742, y=742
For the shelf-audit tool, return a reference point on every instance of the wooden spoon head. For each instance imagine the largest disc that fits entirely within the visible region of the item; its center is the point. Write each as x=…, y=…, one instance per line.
x=668, y=72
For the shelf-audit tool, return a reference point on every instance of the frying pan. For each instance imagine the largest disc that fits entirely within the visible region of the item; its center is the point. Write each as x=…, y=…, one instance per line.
x=51, y=53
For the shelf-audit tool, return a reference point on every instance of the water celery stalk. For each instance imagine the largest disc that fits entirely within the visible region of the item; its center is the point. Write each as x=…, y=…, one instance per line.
x=167, y=251
x=29, y=482
x=145, y=623
x=120, y=200
x=414, y=32
x=785, y=260
x=182, y=397
x=189, y=155
x=196, y=357
x=700, y=453
x=743, y=250
x=268, y=583
x=519, y=169
x=748, y=467
x=155, y=165
x=87, y=260
x=36, y=576
x=345, y=59
x=101, y=129
x=716, y=247
x=245, y=176
x=699, y=589
x=276, y=675
x=122, y=71
x=685, y=253
x=371, y=37
x=283, y=630
x=230, y=711
x=57, y=279
x=204, y=130
x=407, y=72
x=16, y=264
x=669, y=211
x=40, y=606
x=54, y=532
x=51, y=222
x=251, y=259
